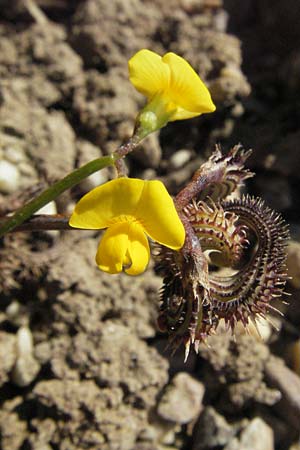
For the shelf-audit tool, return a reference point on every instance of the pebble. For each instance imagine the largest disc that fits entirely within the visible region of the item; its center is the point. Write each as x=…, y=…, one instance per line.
x=7, y=355
x=42, y=352
x=182, y=400
x=13, y=309
x=17, y=314
x=180, y=158
x=24, y=341
x=261, y=330
x=288, y=383
x=27, y=170
x=14, y=154
x=9, y=177
x=161, y=431
x=211, y=430
x=25, y=370
x=26, y=366
x=50, y=208
x=256, y=436
x=221, y=20
x=148, y=174
x=96, y=179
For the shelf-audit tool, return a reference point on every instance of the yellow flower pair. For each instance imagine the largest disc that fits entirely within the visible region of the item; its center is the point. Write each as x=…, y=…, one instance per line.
x=129, y=208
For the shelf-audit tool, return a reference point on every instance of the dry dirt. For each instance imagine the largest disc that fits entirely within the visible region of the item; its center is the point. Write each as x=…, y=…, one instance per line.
x=82, y=365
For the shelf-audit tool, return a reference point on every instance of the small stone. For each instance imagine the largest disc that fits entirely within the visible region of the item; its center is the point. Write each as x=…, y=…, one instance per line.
x=96, y=179
x=17, y=314
x=24, y=341
x=26, y=367
x=13, y=309
x=211, y=430
x=256, y=436
x=50, y=208
x=9, y=177
x=25, y=370
x=180, y=158
x=261, y=330
x=14, y=155
x=237, y=110
x=230, y=83
x=160, y=431
x=8, y=355
x=182, y=400
x=221, y=20
x=42, y=352
x=288, y=383
x=168, y=438
x=12, y=430
x=264, y=329
x=148, y=174
x=27, y=170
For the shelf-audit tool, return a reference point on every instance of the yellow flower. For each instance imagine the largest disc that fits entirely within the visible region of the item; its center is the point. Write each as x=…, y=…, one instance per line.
x=129, y=208
x=172, y=87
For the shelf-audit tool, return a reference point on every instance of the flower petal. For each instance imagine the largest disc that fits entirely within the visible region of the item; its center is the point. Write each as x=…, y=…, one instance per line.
x=111, y=253
x=182, y=114
x=104, y=205
x=157, y=213
x=123, y=246
x=148, y=74
x=138, y=250
x=186, y=88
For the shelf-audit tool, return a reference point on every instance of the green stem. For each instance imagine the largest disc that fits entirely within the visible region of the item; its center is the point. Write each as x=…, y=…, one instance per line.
x=55, y=190
x=71, y=180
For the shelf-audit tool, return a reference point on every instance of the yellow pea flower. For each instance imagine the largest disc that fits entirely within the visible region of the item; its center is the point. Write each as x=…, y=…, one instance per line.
x=172, y=87
x=130, y=209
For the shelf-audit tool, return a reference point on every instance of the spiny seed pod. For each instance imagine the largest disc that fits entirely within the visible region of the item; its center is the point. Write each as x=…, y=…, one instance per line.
x=244, y=235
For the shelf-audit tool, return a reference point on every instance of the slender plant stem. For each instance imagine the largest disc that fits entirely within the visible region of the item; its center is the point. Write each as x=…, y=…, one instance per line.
x=54, y=191
x=68, y=182
x=40, y=222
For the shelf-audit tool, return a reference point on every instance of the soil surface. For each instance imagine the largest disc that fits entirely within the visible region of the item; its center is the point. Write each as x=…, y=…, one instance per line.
x=82, y=364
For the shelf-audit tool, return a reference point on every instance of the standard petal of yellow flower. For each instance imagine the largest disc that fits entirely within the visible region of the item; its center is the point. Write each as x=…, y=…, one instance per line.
x=157, y=213
x=107, y=203
x=148, y=73
x=186, y=89
x=123, y=246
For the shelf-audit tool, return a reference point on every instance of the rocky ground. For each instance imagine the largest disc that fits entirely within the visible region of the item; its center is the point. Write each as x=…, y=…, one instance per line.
x=82, y=365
